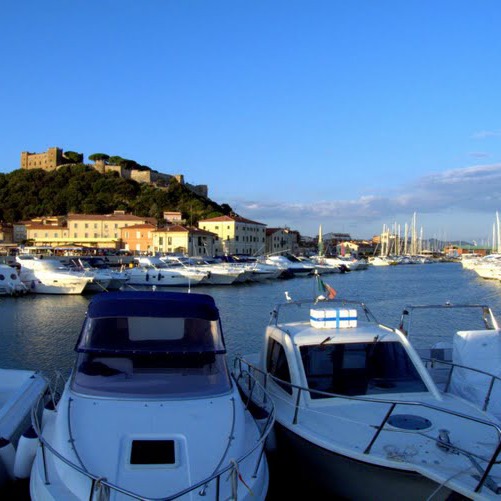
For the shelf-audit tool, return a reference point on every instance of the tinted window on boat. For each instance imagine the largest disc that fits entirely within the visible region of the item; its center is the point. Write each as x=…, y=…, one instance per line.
x=360, y=369
x=155, y=375
x=277, y=365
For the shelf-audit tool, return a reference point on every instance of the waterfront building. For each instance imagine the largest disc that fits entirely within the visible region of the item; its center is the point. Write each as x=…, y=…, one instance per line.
x=6, y=233
x=173, y=217
x=138, y=237
x=459, y=250
x=103, y=231
x=236, y=235
x=20, y=234
x=46, y=235
x=281, y=240
x=189, y=240
x=356, y=248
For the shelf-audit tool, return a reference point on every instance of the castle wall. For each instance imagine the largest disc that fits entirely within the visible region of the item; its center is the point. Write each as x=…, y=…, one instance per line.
x=53, y=158
x=49, y=160
x=142, y=176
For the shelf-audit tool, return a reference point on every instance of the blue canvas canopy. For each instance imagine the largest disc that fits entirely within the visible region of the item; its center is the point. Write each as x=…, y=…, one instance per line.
x=153, y=304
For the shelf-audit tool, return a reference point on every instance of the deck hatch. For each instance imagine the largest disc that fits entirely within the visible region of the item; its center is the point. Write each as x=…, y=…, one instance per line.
x=159, y=452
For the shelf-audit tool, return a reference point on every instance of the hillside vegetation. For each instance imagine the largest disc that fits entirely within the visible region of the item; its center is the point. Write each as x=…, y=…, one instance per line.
x=25, y=194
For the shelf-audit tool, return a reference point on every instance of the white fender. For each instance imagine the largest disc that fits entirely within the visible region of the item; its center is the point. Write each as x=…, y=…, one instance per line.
x=49, y=411
x=7, y=457
x=25, y=454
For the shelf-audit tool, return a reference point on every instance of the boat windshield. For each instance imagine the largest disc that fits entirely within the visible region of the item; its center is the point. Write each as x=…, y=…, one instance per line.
x=355, y=369
x=149, y=335
x=155, y=357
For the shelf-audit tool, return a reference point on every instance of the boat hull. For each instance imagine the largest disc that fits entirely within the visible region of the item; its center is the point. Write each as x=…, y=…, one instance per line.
x=349, y=478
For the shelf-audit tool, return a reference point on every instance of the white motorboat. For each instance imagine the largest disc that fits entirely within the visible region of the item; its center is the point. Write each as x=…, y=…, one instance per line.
x=118, y=278
x=19, y=392
x=151, y=271
x=322, y=267
x=150, y=410
x=10, y=283
x=291, y=264
x=217, y=273
x=48, y=276
x=104, y=278
x=359, y=414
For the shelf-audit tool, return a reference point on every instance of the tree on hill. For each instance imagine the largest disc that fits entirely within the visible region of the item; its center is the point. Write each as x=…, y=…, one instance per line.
x=99, y=156
x=79, y=188
x=73, y=157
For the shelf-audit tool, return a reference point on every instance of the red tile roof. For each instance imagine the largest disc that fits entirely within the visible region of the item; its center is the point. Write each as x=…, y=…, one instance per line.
x=236, y=219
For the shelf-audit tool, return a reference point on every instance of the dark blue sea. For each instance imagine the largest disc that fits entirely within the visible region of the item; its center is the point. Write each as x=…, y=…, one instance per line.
x=40, y=331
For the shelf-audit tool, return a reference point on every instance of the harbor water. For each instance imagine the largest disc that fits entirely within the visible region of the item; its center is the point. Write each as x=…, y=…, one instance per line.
x=39, y=331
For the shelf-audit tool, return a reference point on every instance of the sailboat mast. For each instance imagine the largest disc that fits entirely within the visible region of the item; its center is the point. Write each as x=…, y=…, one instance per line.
x=499, y=237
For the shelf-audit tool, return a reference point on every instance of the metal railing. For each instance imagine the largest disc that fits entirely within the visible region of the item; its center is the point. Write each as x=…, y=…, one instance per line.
x=393, y=404
x=452, y=365
x=96, y=479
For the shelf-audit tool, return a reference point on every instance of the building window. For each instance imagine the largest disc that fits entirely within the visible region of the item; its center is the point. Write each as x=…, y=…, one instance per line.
x=86, y=235
x=160, y=241
x=138, y=235
x=86, y=225
x=75, y=235
x=95, y=225
x=75, y=225
x=169, y=240
x=95, y=235
x=55, y=235
x=126, y=234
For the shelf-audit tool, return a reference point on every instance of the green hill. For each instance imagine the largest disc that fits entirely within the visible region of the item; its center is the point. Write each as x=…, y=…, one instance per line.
x=25, y=194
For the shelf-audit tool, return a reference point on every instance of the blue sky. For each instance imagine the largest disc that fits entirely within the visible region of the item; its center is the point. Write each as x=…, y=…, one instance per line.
x=349, y=114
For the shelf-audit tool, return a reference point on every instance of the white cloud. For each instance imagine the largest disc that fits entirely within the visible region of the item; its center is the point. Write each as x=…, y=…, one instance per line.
x=475, y=188
x=478, y=154
x=486, y=133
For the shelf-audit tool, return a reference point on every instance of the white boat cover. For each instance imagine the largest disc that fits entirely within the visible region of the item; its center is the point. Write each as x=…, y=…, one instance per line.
x=481, y=350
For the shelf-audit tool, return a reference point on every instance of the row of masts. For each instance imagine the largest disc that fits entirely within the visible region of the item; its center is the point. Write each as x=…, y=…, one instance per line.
x=394, y=242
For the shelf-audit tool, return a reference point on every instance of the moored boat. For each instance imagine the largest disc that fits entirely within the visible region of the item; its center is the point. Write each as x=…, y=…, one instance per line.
x=150, y=410
x=48, y=276
x=357, y=410
x=151, y=271
x=19, y=392
x=10, y=283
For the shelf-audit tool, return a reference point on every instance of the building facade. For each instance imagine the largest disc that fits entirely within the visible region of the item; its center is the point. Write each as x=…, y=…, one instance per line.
x=50, y=160
x=281, y=241
x=102, y=231
x=186, y=240
x=138, y=237
x=6, y=233
x=46, y=235
x=236, y=235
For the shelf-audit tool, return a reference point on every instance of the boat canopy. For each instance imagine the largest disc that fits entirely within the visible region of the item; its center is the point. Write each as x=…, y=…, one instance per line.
x=151, y=322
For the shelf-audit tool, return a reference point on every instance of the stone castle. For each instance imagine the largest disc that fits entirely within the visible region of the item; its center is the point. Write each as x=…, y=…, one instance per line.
x=54, y=158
